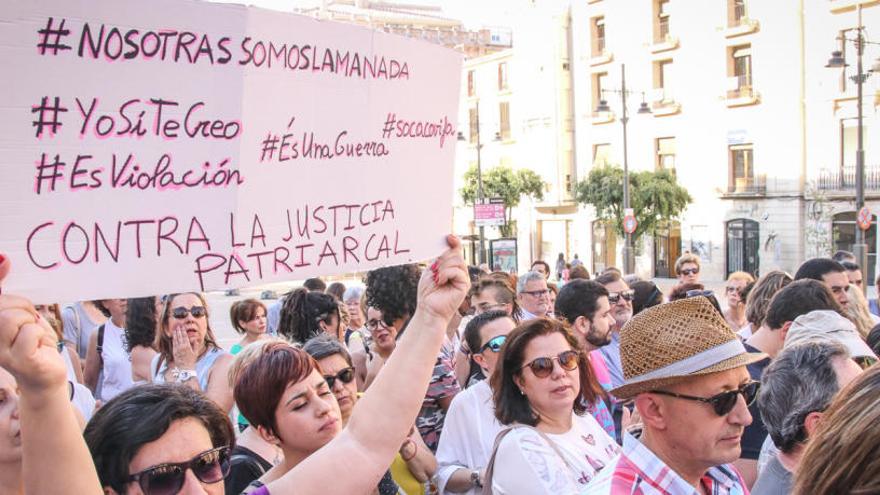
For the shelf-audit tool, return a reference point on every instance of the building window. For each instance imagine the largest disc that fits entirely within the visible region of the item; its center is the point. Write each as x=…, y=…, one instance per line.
x=663, y=82
x=502, y=76
x=472, y=83
x=504, y=120
x=475, y=122
x=665, y=148
x=742, y=168
x=601, y=155
x=736, y=12
x=599, y=79
x=740, y=71
x=661, y=20
x=597, y=34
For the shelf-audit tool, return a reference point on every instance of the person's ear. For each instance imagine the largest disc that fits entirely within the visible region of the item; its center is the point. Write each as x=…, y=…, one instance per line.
x=268, y=436
x=653, y=410
x=812, y=421
x=519, y=381
x=109, y=491
x=480, y=360
x=784, y=329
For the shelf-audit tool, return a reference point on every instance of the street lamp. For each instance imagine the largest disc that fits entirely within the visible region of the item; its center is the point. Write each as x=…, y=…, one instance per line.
x=838, y=61
x=480, y=196
x=643, y=109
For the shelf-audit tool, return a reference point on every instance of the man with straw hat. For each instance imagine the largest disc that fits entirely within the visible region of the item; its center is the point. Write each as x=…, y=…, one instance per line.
x=685, y=370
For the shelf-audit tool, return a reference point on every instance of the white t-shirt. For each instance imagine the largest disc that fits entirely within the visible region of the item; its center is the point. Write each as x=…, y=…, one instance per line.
x=117, y=363
x=468, y=434
x=526, y=463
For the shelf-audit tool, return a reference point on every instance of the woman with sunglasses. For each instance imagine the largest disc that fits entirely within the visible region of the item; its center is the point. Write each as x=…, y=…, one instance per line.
x=542, y=386
x=735, y=315
x=471, y=427
x=367, y=444
x=188, y=350
x=414, y=457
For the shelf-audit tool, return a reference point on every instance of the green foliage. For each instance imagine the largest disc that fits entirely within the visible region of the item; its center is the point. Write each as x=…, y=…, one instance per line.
x=507, y=184
x=655, y=197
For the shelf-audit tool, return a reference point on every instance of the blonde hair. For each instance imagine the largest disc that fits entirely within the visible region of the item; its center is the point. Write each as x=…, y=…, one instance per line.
x=686, y=258
x=744, y=276
x=858, y=312
x=843, y=456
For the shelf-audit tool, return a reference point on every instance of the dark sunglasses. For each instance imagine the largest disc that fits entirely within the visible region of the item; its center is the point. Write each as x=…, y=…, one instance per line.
x=690, y=271
x=494, y=343
x=698, y=293
x=627, y=295
x=345, y=376
x=543, y=366
x=210, y=466
x=180, y=312
x=724, y=402
x=865, y=362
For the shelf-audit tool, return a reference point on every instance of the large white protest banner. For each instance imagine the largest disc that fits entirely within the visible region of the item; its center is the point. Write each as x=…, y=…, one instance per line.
x=168, y=145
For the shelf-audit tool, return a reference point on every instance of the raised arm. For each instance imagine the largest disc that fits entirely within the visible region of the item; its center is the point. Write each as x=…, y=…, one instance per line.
x=28, y=349
x=384, y=415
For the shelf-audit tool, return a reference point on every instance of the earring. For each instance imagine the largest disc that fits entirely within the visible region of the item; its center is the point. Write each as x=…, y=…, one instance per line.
x=521, y=392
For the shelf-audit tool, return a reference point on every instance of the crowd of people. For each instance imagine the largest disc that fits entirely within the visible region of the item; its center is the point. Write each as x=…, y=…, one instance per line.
x=448, y=379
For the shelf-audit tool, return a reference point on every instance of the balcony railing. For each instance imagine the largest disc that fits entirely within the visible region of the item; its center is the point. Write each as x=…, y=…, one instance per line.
x=739, y=13
x=740, y=87
x=844, y=178
x=662, y=30
x=748, y=185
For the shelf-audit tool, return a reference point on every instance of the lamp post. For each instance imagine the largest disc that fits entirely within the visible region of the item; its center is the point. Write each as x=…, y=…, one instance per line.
x=643, y=109
x=837, y=60
x=480, y=195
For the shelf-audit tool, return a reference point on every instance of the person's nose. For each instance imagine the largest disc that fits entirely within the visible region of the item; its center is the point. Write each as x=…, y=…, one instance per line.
x=192, y=485
x=740, y=414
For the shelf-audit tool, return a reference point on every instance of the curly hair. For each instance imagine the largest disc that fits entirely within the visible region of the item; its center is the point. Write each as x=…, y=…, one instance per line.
x=140, y=322
x=393, y=291
x=302, y=314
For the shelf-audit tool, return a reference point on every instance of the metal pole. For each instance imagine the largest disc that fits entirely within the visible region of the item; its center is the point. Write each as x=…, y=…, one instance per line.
x=860, y=249
x=627, y=247
x=482, y=256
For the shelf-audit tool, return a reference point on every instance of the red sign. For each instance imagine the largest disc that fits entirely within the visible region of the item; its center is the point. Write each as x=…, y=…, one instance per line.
x=489, y=214
x=863, y=219
x=630, y=224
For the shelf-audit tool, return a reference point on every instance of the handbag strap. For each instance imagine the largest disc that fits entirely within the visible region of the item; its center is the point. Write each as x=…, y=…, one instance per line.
x=490, y=466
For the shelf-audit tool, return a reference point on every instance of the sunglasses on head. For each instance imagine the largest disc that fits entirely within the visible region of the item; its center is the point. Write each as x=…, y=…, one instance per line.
x=345, y=376
x=543, y=366
x=210, y=466
x=690, y=271
x=494, y=343
x=627, y=295
x=698, y=292
x=724, y=402
x=180, y=312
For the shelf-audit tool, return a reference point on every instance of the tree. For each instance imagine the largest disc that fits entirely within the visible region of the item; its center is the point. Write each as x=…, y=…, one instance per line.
x=504, y=183
x=655, y=197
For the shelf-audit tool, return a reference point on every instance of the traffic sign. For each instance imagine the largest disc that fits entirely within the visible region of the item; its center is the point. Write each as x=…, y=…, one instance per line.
x=864, y=217
x=630, y=224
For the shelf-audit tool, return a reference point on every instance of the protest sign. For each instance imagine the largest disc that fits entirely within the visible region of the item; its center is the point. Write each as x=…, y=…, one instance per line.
x=150, y=147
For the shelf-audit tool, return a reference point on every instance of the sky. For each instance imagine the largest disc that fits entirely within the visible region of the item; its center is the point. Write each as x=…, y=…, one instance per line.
x=473, y=13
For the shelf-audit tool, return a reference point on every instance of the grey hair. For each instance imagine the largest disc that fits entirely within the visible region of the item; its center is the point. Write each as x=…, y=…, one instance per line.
x=322, y=346
x=799, y=381
x=525, y=279
x=352, y=293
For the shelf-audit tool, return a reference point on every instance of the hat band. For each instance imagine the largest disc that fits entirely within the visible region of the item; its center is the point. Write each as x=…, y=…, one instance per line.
x=693, y=363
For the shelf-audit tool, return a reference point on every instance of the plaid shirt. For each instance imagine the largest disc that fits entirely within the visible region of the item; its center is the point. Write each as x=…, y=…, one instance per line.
x=638, y=471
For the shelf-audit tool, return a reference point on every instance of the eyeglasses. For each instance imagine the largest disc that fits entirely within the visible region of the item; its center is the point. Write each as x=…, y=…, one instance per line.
x=345, y=376
x=690, y=271
x=698, y=292
x=374, y=324
x=627, y=295
x=494, y=343
x=197, y=311
x=724, y=402
x=543, y=366
x=536, y=293
x=865, y=362
x=210, y=466
x=732, y=290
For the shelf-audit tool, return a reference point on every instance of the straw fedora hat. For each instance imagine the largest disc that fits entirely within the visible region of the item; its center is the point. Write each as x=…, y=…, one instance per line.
x=674, y=341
